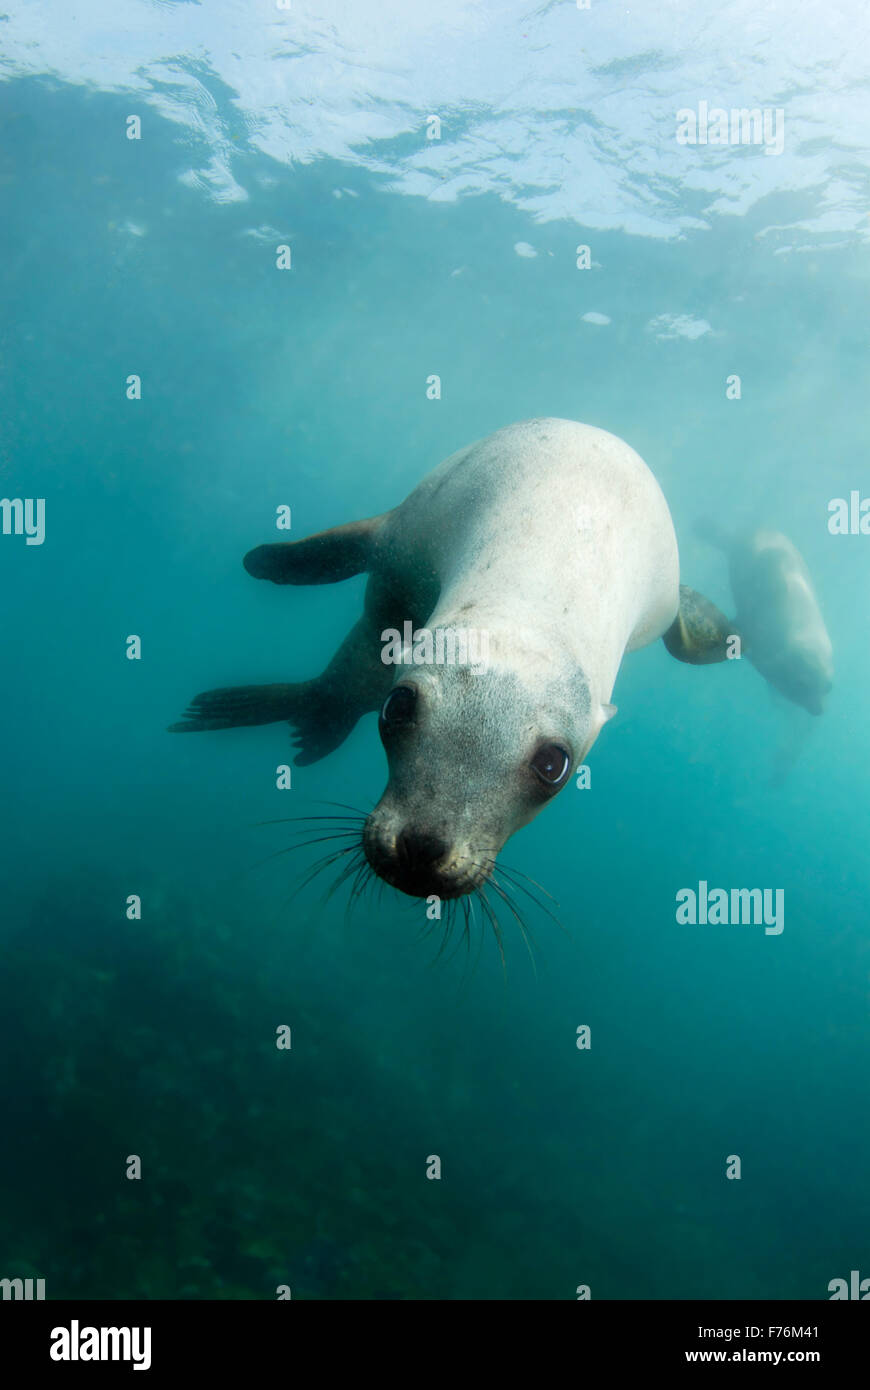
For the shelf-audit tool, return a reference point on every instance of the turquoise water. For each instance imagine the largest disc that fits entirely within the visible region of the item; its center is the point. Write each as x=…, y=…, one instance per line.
x=560, y=1167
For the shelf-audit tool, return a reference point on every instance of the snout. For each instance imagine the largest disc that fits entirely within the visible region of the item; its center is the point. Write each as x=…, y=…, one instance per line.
x=420, y=860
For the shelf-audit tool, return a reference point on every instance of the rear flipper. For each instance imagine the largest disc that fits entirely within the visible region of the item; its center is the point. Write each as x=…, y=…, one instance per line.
x=237, y=706
x=321, y=712
x=319, y=723
x=700, y=634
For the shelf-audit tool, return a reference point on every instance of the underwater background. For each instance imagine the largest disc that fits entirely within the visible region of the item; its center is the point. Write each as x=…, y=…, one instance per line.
x=307, y=387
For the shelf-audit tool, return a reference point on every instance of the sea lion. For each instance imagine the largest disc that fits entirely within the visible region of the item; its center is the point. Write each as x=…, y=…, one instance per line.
x=552, y=538
x=778, y=617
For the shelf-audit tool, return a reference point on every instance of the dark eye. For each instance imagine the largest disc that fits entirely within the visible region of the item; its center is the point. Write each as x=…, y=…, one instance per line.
x=551, y=764
x=399, y=707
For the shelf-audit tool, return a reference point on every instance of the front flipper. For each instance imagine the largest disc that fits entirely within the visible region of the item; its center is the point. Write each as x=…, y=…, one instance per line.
x=700, y=632
x=325, y=558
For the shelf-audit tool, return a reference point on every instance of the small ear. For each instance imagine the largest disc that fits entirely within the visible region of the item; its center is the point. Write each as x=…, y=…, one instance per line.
x=607, y=712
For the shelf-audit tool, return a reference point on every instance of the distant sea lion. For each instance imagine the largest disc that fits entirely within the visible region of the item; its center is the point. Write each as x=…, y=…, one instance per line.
x=778, y=617
x=551, y=538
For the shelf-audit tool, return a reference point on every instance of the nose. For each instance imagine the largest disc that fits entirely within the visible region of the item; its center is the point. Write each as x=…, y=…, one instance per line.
x=419, y=849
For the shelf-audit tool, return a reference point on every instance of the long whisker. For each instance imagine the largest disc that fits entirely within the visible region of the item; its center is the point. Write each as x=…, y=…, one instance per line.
x=288, y=849
x=342, y=806
x=465, y=904
x=331, y=833
x=307, y=820
x=469, y=924
x=493, y=921
x=445, y=936
x=347, y=827
x=319, y=868
x=518, y=873
x=452, y=907
x=352, y=867
x=481, y=935
x=358, y=886
x=511, y=908
x=530, y=895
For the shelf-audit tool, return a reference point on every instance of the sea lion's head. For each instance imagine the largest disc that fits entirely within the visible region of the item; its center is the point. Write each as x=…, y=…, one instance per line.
x=472, y=757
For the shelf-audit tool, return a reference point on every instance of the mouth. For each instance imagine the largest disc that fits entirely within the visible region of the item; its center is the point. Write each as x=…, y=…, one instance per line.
x=479, y=894
x=423, y=865
x=423, y=884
